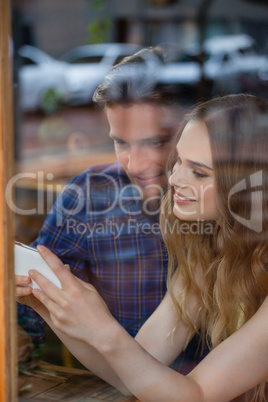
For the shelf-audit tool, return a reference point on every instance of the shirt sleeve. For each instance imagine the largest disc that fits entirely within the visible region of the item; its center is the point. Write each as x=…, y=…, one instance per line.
x=32, y=323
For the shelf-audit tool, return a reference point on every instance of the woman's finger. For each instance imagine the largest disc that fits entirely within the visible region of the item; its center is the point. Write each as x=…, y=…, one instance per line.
x=60, y=297
x=57, y=266
x=21, y=280
x=48, y=288
x=23, y=291
x=45, y=300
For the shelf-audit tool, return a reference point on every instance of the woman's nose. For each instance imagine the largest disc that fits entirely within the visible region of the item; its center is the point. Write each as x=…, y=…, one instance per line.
x=178, y=177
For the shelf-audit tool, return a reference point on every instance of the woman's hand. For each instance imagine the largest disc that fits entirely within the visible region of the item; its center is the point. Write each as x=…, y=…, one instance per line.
x=77, y=309
x=24, y=294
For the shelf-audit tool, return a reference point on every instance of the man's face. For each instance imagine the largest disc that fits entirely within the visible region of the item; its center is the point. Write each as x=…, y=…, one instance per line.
x=141, y=134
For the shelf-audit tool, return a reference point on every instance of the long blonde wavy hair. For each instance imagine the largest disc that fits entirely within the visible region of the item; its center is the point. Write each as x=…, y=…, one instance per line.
x=233, y=254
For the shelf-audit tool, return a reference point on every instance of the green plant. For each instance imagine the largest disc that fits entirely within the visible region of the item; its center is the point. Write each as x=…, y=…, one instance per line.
x=100, y=26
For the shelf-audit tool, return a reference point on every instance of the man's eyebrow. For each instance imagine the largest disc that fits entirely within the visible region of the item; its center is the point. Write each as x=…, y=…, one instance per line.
x=199, y=164
x=114, y=137
x=158, y=137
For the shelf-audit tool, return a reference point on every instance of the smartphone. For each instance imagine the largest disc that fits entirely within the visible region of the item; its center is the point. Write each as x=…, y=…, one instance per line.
x=27, y=258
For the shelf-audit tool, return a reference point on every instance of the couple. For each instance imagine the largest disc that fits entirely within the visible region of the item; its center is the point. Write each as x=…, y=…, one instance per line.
x=217, y=279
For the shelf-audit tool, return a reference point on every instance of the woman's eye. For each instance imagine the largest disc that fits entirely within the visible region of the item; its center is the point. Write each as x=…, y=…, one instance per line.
x=200, y=175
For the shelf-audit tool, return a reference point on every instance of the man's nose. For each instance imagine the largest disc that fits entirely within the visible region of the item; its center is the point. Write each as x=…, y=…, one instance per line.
x=138, y=161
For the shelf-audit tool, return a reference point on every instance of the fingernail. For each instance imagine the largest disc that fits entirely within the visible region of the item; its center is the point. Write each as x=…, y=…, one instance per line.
x=40, y=248
x=30, y=273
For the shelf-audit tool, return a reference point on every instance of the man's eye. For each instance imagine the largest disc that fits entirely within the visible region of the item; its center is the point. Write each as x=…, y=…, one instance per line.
x=199, y=175
x=120, y=143
x=158, y=144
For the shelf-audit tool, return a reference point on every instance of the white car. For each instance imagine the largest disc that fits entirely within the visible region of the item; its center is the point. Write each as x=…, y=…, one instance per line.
x=41, y=80
x=233, y=64
x=230, y=65
x=88, y=66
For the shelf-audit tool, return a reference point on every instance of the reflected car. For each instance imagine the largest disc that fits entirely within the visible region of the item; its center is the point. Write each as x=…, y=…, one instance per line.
x=88, y=66
x=233, y=64
x=263, y=78
x=228, y=64
x=41, y=80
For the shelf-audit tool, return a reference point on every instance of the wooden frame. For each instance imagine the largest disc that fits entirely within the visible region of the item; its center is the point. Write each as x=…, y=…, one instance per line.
x=8, y=353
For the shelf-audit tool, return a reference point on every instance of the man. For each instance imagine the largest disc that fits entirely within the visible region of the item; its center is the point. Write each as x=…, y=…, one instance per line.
x=105, y=224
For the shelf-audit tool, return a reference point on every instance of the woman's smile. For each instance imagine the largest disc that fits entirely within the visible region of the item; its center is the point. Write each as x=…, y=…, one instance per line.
x=182, y=200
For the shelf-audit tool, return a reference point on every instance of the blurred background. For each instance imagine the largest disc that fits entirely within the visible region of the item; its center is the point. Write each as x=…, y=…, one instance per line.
x=62, y=49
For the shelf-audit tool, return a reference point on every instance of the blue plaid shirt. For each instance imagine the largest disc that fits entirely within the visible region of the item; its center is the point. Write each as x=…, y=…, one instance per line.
x=98, y=227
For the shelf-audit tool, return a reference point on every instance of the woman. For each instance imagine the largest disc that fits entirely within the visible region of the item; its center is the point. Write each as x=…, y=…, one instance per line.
x=214, y=223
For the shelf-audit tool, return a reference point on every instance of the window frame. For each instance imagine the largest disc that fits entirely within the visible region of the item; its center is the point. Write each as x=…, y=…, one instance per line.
x=8, y=325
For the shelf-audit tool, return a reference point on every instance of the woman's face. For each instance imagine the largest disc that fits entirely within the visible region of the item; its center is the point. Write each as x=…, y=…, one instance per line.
x=193, y=176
